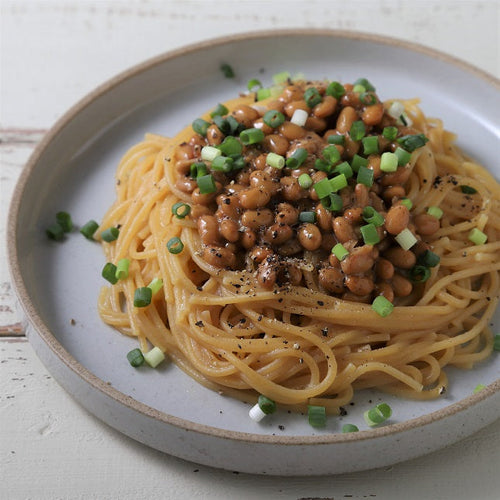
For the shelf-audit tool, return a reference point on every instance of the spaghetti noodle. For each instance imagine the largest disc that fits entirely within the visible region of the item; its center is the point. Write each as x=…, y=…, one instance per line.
x=255, y=302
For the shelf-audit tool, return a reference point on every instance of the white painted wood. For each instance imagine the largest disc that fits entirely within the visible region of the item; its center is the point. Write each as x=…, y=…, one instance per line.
x=51, y=54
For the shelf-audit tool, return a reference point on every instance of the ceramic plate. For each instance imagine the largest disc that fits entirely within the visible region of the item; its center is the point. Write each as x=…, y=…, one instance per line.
x=73, y=170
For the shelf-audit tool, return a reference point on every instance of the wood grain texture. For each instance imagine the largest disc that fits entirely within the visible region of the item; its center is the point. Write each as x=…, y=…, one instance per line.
x=54, y=52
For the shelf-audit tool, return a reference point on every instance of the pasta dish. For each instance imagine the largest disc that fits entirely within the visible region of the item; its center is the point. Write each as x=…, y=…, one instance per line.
x=303, y=242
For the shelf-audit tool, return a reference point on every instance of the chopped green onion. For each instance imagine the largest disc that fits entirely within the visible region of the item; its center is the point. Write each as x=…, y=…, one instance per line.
x=307, y=217
x=253, y=84
x=222, y=164
x=89, y=228
x=239, y=162
x=368, y=98
x=263, y=94
x=403, y=156
x=390, y=133
x=251, y=136
x=340, y=251
x=122, y=266
x=357, y=131
x=479, y=387
x=109, y=273
x=406, y=239
x=377, y=415
x=323, y=188
x=346, y=428
x=299, y=117
x=280, y=78
x=365, y=176
x=496, y=343
x=435, y=212
x=256, y=413
x=323, y=165
x=209, y=153
x=370, y=234
x=200, y=126
x=335, y=89
x=312, y=97
x=156, y=285
x=110, y=234
x=273, y=118
x=154, y=357
x=220, y=110
x=468, y=190
x=477, y=237
x=357, y=162
x=388, y=162
x=206, y=184
x=412, y=142
x=181, y=210
x=336, y=139
x=331, y=154
x=359, y=89
x=365, y=83
x=267, y=405
x=227, y=70
x=197, y=169
x=370, y=145
x=406, y=202
x=231, y=125
x=372, y=216
x=64, y=220
x=316, y=415
x=135, y=357
x=419, y=274
x=230, y=146
x=396, y=109
x=305, y=181
x=333, y=202
x=344, y=168
x=428, y=259
x=297, y=158
x=55, y=232
x=339, y=182
x=175, y=245
x=275, y=160
x=382, y=306
x=142, y=296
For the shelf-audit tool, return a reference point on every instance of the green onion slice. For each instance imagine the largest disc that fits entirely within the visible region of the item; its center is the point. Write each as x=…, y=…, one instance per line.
x=142, y=296
x=340, y=251
x=135, y=358
x=181, y=210
x=273, y=118
x=406, y=202
x=251, y=136
x=323, y=188
x=64, y=220
x=254, y=84
x=230, y=146
x=403, y=156
x=336, y=139
x=357, y=162
x=307, y=217
x=496, y=343
x=175, y=245
x=154, y=357
x=382, y=306
x=406, y=239
x=378, y=415
x=197, y=169
x=419, y=274
x=390, y=133
x=275, y=160
x=305, y=181
x=312, y=97
x=365, y=83
x=388, y=162
x=370, y=215
x=297, y=158
x=365, y=176
x=156, y=285
x=370, y=234
x=109, y=273
x=220, y=110
x=331, y=154
x=412, y=142
x=280, y=78
x=200, y=126
x=468, y=190
x=316, y=415
x=263, y=94
x=222, y=164
x=55, y=232
x=435, y=212
x=477, y=237
x=344, y=168
x=339, y=182
x=122, y=266
x=333, y=202
x=349, y=428
x=368, y=98
x=110, y=234
x=357, y=131
x=428, y=259
x=370, y=145
x=89, y=228
x=227, y=70
x=206, y=184
x=335, y=89
x=267, y=405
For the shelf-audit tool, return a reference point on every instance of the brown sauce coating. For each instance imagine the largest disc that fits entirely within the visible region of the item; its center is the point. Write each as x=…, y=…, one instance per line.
x=270, y=221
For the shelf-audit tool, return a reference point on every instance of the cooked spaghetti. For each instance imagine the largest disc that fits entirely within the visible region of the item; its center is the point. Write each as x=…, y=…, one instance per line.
x=276, y=228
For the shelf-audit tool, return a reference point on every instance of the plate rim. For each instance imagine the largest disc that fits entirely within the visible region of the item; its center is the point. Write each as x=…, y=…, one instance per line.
x=43, y=331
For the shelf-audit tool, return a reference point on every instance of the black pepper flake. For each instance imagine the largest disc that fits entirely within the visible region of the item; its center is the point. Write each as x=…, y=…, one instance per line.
x=442, y=390
x=199, y=323
x=320, y=303
x=280, y=299
x=236, y=285
x=199, y=288
x=239, y=346
x=343, y=411
x=281, y=427
x=259, y=318
x=324, y=331
x=72, y=321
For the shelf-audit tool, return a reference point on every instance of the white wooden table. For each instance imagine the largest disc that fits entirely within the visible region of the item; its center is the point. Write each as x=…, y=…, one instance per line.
x=52, y=54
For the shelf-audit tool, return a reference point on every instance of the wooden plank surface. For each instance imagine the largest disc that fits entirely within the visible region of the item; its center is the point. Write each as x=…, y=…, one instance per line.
x=51, y=54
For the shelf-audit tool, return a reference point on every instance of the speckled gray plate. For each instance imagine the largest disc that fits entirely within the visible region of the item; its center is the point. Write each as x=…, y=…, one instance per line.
x=57, y=284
